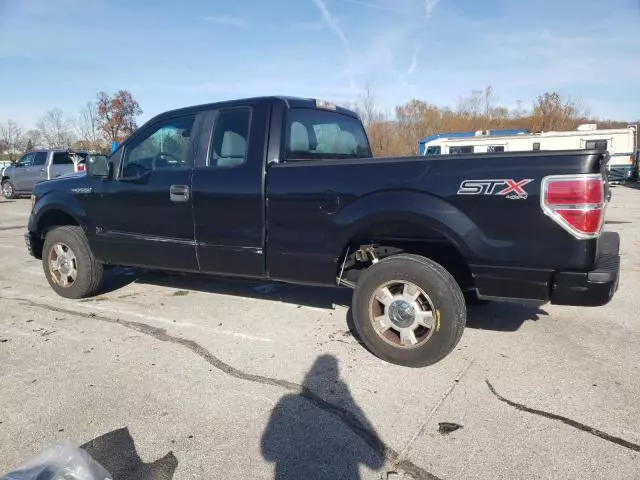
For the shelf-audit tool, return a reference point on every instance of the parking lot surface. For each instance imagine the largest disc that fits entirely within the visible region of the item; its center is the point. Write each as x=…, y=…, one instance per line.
x=185, y=377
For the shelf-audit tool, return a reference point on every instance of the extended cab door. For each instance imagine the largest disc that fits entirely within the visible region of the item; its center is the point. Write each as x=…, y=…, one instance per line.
x=228, y=192
x=144, y=216
x=20, y=170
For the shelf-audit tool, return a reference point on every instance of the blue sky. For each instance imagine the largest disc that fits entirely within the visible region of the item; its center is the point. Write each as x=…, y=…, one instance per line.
x=59, y=53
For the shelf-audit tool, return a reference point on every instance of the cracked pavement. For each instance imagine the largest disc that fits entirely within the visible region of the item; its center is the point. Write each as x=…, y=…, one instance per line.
x=187, y=377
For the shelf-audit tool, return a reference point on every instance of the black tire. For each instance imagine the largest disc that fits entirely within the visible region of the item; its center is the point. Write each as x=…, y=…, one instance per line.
x=89, y=270
x=8, y=190
x=444, y=292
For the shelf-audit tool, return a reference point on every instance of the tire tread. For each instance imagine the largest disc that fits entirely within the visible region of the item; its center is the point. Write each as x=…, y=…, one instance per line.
x=446, y=341
x=89, y=278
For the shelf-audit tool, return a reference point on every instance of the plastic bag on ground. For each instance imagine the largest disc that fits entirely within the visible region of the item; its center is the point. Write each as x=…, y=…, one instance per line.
x=63, y=461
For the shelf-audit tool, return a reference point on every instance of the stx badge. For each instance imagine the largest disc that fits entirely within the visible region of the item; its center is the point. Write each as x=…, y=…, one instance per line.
x=508, y=188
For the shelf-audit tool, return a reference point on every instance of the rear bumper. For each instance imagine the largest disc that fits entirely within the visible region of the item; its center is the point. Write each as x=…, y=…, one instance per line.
x=593, y=288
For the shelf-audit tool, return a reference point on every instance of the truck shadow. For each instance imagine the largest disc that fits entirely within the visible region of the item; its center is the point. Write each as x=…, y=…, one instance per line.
x=318, y=297
x=503, y=316
x=497, y=316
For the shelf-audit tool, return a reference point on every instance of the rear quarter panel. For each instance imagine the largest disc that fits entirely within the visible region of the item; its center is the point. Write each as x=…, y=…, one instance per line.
x=315, y=208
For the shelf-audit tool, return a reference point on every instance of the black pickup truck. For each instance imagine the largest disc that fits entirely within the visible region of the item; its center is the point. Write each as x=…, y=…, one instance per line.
x=286, y=189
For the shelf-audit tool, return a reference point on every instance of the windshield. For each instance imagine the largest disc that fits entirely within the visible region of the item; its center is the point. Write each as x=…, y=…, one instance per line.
x=319, y=134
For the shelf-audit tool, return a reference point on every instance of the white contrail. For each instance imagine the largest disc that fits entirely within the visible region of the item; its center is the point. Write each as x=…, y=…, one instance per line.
x=429, y=5
x=331, y=21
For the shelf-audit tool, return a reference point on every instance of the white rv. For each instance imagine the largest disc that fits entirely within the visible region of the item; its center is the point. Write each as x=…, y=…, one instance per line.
x=621, y=143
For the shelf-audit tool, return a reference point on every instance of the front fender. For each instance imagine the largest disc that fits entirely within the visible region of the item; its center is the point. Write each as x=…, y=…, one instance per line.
x=56, y=201
x=416, y=208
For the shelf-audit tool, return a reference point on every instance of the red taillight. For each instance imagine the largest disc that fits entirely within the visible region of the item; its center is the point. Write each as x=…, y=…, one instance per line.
x=575, y=202
x=572, y=192
x=82, y=167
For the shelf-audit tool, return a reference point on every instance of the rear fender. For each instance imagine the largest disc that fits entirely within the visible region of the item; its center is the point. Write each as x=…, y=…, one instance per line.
x=415, y=208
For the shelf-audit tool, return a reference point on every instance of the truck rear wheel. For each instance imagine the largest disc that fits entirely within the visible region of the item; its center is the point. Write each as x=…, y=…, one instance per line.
x=69, y=265
x=8, y=190
x=409, y=310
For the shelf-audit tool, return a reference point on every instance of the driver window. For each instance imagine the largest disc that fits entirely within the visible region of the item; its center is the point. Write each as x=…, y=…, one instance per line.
x=26, y=160
x=166, y=146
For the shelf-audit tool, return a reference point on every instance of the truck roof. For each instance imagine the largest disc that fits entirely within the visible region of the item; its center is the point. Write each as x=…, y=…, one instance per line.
x=288, y=102
x=56, y=150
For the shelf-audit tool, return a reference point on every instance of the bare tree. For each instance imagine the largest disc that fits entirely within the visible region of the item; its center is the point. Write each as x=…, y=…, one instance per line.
x=88, y=128
x=11, y=136
x=416, y=119
x=552, y=112
x=55, y=129
x=471, y=106
x=518, y=112
x=367, y=108
x=33, y=138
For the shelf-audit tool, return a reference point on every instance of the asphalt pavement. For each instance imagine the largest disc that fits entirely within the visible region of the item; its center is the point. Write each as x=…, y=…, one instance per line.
x=187, y=377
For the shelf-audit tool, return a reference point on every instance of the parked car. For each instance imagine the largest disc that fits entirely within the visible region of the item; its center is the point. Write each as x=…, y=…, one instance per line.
x=37, y=166
x=285, y=189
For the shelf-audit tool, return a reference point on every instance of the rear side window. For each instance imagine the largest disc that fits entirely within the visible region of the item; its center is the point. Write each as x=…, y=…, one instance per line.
x=40, y=158
x=323, y=135
x=461, y=150
x=596, y=144
x=62, y=158
x=230, y=138
x=495, y=148
x=434, y=150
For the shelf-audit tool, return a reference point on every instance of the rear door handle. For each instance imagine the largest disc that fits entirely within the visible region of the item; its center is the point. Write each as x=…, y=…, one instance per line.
x=179, y=193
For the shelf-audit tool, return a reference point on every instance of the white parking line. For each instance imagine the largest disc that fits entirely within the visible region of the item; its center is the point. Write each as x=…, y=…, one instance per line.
x=152, y=318
x=13, y=247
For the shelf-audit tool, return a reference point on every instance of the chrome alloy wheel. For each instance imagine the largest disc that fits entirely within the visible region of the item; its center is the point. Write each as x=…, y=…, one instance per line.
x=63, y=266
x=7, y=190
x=402, y=314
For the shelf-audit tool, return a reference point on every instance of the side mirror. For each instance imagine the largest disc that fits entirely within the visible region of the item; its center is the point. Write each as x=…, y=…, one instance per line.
x=99, y=166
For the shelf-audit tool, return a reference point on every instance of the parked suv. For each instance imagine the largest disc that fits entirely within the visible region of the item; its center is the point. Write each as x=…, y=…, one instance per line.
x=39, y=165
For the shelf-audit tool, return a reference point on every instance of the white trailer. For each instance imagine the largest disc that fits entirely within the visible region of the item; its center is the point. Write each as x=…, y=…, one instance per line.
x=621, y=143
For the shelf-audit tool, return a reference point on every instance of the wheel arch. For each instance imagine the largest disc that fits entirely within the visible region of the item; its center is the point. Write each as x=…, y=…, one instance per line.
x=408, y=238
x=54, y=211
x=413, y=223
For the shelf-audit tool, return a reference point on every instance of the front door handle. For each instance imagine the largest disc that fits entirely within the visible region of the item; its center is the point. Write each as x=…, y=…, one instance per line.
x=179, y=193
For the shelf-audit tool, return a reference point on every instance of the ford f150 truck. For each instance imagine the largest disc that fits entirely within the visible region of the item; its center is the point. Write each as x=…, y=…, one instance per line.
x=39, y=165
x=287, y=190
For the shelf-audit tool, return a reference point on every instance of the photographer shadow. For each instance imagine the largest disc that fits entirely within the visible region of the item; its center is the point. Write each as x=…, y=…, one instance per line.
x=321, y=432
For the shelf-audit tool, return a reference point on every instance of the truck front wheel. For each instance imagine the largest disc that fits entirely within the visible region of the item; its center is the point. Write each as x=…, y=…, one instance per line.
x=409, y=310
x=69, y=265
